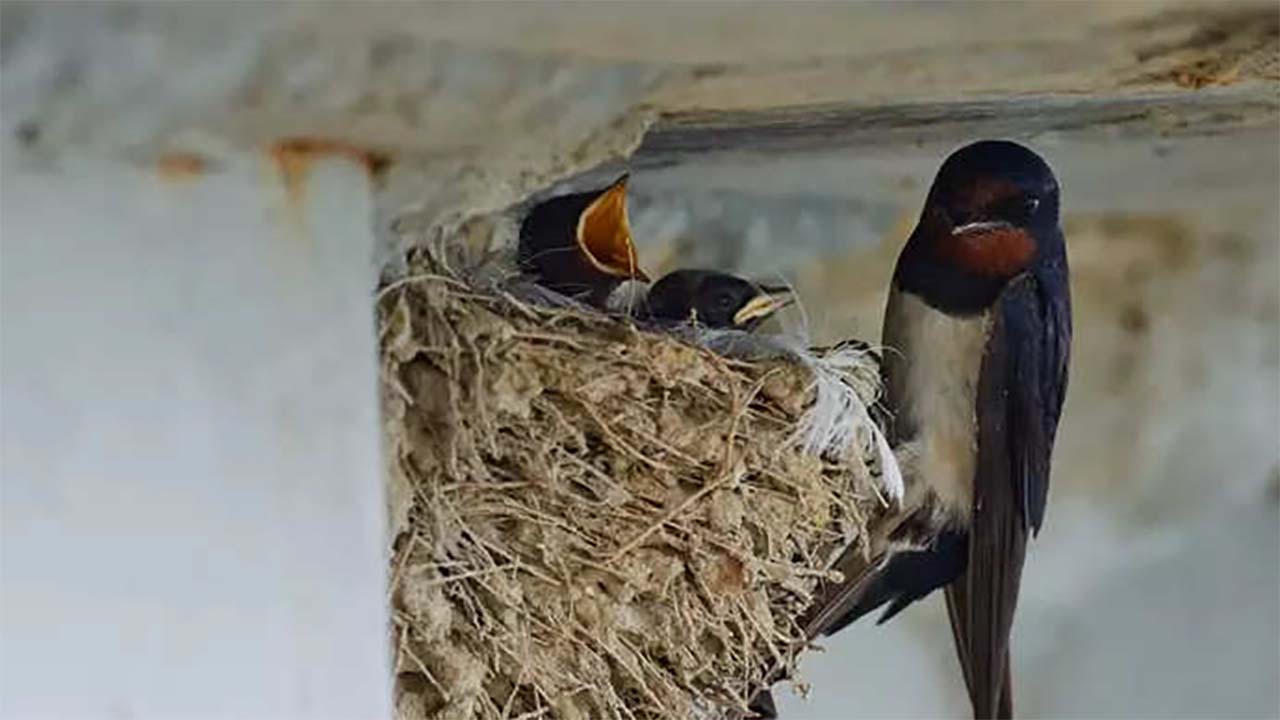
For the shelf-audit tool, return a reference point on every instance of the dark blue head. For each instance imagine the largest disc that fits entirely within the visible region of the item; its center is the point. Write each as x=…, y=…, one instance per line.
x=995, y=181
x=991, y=214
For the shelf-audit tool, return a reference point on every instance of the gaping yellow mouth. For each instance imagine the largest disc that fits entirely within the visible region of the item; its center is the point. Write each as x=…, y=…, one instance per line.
x=604, y=234
x=763, y=305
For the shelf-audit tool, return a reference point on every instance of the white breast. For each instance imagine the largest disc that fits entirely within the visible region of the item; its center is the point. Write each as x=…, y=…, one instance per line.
x=942, y=359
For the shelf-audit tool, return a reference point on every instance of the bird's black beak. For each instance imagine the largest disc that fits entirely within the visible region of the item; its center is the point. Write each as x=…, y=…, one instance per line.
x=767, y=302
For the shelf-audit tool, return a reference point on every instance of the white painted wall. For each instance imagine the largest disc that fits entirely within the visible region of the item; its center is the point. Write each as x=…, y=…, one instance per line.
x=189, y=513
x=191, y=497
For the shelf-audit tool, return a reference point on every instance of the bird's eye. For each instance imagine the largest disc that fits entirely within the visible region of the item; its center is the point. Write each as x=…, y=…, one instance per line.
x=723, y=301
x=1018, y=209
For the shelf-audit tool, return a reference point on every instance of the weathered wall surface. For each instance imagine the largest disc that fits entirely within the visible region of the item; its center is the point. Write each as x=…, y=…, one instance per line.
x=196, y=199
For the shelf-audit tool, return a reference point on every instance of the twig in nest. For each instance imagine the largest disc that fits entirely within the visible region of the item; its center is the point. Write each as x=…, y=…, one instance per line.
x=724, y=476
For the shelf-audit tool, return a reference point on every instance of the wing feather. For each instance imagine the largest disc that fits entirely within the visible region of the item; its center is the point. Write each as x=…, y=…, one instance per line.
x=1020, y=395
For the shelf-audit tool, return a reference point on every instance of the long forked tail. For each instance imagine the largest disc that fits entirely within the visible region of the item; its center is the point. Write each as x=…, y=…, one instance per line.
x=988, y=680
x=1005, y=708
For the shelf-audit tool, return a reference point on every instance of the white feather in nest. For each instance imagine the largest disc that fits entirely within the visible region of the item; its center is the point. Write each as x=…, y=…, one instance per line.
x=838, y=420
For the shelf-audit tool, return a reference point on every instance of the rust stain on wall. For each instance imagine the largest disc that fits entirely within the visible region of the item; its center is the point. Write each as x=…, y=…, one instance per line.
x=294, y=156
x=181, y=166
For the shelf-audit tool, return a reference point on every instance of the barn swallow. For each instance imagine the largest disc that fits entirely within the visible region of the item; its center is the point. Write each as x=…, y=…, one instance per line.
x=580, y=244
x=977, y=336
x=713, y=299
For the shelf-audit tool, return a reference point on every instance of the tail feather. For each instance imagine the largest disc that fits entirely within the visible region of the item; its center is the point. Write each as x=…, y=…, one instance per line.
x=897, y=581
x=763, y=706
x=1005, y=708
x=980, y=626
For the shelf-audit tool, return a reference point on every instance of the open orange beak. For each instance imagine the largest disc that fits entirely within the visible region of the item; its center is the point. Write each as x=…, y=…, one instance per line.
x=604, y=234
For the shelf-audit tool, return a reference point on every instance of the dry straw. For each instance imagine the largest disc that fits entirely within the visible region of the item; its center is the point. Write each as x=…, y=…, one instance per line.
x=594, y=521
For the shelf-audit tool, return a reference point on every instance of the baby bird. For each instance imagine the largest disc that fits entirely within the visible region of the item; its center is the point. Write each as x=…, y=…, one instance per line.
x=712, y=299
x=579, y=245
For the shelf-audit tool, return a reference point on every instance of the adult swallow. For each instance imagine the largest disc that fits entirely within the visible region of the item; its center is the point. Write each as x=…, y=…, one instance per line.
x=580, y=244
x=977, y=336
x=713, y=299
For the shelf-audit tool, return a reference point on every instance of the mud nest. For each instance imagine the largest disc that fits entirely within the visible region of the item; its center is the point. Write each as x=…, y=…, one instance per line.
x=594, y=521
